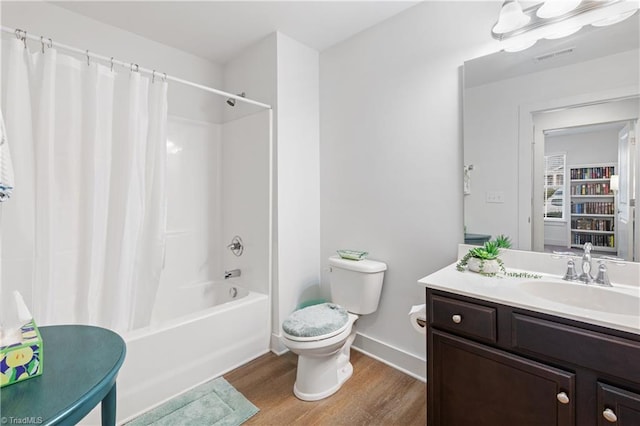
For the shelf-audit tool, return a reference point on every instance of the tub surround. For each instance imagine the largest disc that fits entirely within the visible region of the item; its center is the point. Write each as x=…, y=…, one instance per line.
x=519, y=351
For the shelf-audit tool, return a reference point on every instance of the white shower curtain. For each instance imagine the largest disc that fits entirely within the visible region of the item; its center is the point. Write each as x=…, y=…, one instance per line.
x=83, y=236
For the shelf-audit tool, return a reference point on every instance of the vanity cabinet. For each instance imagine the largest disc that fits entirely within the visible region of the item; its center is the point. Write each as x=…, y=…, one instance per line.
x=492, y=364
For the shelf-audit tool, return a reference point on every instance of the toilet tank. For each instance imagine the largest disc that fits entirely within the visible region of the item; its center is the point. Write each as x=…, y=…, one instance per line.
x=356, y=284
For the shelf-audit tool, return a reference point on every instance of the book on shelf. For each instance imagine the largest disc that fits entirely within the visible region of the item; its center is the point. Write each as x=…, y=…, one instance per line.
x=601, y=172
x=584, y=224
x=591, y=189
x=593, y=207
x=598, y=240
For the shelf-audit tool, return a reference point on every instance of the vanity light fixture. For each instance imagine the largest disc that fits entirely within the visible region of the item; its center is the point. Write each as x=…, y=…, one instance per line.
x=555, y=19
x=555, y=8
x=511, y=17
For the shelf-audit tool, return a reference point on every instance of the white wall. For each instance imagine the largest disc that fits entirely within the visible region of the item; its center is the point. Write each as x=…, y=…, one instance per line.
x=298, y=162
x=246, y=160
x=63, y=26
x=492, y=134
x=253, y=71
x=586, y=148
x=391, y=155
x=284, y=73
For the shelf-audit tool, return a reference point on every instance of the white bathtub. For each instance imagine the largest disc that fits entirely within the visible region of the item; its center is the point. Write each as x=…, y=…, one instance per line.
x=192, y=299
x=172, y=356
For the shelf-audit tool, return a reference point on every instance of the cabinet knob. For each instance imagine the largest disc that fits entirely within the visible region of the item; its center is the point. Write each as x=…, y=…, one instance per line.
x=456, y=318
x=609, y=415
x=563, y=397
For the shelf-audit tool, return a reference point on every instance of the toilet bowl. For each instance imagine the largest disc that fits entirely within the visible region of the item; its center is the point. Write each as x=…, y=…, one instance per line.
x=323, y=361
x=321, y=335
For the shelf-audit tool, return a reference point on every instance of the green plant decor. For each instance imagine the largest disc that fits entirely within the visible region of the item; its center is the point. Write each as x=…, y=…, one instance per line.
x=491, y=251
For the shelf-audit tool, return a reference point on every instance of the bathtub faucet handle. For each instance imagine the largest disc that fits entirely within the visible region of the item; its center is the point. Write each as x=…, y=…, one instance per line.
x=232, y=273
x=236, y=246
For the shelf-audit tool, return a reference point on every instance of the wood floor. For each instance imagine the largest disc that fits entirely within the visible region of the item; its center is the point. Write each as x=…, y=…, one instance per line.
x=376, y=394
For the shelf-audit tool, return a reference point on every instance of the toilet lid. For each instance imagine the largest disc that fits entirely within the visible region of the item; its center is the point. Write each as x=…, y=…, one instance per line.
x=325, y=319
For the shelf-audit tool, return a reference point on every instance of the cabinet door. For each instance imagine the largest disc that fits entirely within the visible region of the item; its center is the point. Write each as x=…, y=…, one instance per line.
x=473, y=384
x=617, y=406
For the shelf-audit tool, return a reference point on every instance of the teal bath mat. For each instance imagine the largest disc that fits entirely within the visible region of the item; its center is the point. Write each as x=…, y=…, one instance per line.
x=212, y=403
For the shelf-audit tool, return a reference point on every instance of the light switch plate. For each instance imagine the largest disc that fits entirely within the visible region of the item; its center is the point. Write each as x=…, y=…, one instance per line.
x=494, y=197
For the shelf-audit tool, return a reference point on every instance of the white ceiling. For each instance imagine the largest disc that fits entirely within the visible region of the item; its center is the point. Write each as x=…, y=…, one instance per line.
x=219, y=30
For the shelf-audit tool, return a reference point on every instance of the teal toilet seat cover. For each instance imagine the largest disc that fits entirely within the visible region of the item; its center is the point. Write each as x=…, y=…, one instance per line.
x=316, y=320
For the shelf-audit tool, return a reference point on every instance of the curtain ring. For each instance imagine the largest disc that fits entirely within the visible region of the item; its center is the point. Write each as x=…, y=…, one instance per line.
x=50, y=44
x=21, y=35
x=42, y=43
x=164, y=79
x=112, y=64
x=88, y=63
x=135, y=65
x=153, y=76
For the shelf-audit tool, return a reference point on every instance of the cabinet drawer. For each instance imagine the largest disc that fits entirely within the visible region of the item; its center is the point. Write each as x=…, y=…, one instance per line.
x=608, y=354
x=464, y=318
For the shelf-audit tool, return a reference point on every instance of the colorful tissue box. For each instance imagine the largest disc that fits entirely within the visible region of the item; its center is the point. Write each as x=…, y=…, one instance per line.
x=21, y=361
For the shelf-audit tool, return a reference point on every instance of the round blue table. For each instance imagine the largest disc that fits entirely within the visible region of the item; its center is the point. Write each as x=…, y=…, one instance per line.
x=80, y=366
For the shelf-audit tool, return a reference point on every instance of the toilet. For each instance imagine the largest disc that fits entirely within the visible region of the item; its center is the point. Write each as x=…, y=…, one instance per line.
x=321, y=335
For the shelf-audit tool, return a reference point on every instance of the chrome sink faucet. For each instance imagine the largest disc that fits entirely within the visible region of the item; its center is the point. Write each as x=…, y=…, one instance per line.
x=602, y=278
x=571, y=274
x=585, y=276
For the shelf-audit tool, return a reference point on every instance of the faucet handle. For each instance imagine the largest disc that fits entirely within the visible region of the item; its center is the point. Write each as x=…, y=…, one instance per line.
x=602, y=278
x=571, y=274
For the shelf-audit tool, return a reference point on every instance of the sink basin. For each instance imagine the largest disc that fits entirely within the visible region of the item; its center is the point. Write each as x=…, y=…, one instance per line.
x=584, y=296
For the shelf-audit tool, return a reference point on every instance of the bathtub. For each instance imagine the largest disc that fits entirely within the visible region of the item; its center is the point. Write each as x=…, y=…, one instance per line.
x=216, y=327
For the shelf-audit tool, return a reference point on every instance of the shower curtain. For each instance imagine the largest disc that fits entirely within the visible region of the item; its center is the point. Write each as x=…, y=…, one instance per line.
x=83, y=237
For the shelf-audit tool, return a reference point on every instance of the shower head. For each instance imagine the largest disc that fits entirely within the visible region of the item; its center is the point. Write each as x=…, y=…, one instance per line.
x=232, y=102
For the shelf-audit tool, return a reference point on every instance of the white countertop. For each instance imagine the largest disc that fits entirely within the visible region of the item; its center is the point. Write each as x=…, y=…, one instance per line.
x=507, y=291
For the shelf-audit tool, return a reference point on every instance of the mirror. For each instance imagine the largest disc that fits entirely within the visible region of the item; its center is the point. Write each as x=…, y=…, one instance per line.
x=579, y=97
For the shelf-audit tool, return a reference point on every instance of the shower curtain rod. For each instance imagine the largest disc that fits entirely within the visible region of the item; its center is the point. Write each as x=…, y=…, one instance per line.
x=23, y=35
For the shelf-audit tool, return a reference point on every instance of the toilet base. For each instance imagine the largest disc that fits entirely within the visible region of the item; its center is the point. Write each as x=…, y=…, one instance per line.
x=320, y=377
x=344, y=374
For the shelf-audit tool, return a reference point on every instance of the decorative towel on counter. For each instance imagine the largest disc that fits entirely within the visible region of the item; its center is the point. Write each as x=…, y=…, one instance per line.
x=6, y=168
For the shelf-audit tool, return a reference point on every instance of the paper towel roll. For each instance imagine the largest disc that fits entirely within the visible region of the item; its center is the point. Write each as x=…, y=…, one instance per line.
x=418, y=318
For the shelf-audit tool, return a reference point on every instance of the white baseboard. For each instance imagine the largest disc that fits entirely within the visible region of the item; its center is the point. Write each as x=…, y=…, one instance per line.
x=277, y=347
x=410, y=364
x=399, y=359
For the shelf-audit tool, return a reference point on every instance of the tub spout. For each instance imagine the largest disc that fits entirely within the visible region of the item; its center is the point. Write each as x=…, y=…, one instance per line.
x=232, y=273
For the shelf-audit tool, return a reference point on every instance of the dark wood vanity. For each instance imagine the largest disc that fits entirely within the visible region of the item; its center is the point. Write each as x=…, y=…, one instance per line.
x=496, y=365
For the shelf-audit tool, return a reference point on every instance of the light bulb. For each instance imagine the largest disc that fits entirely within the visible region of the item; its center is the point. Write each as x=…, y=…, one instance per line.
x=553, y=8
x=511, y=17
